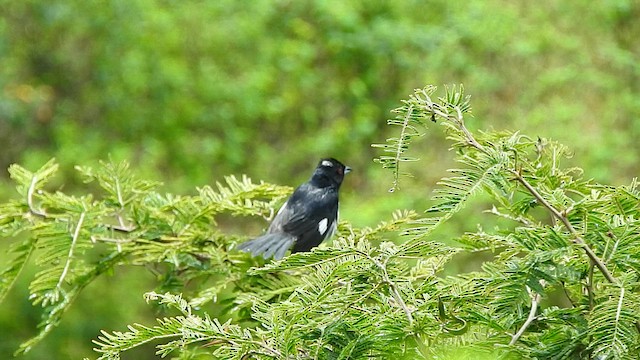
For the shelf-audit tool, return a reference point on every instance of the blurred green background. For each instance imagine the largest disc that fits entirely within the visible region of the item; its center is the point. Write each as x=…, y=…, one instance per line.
x=189, y=91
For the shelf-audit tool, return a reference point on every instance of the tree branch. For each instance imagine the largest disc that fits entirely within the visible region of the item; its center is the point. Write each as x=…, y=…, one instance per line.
x=562, y=216
x=535, y=299
x=398, y=298
x=121, y=227
x=556, y=215
x=394, y=290
x=76, y=235
x=471, y=140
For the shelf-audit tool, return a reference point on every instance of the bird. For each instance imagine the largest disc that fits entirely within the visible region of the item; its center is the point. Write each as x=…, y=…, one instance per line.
x=307, y=218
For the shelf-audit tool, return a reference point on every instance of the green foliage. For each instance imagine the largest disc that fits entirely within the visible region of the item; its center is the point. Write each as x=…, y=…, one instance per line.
x=163, y=85
x=411, y=118
x=561, y=281
x=75, y=239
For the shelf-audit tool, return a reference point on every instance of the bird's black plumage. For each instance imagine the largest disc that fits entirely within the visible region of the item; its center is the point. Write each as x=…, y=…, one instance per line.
x=308, y=217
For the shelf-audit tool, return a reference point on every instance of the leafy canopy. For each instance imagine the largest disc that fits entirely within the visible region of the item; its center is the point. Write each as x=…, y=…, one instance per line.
x=560, y=280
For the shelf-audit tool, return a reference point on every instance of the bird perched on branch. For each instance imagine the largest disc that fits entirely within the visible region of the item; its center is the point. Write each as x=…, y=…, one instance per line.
x=308, y=217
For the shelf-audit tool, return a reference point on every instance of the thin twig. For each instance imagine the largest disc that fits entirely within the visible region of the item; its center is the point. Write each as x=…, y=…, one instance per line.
x=118, y=242
x=535, y=299
x=122, y=229
x=577, y=239
x=459, y=121
x=401, y=145
x=567, y=295
x=386, y=279
x=74, y=240
x=394, y=290
x=590, y=292
x=556, y=215
x=122, y=226
x=32, y=209
x=471, y=140
x=619, y=308
x=119, y=192
x=403, y=305
x=612, y=236
x=519, y=219
x=562, y=216
x=95, y=239
x=396, y=295
x=30, y=191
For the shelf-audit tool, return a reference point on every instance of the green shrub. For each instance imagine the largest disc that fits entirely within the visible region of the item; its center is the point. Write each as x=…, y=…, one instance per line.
x=560, y=280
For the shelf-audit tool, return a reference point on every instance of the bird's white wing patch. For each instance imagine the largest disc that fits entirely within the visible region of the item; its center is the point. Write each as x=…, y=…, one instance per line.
x=322, y=226
x=282, y=208
x=334, y=227
x=332, y=231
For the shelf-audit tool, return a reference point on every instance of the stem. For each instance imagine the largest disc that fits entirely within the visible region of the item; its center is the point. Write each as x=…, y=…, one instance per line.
x=619, y=308
x=590, y=287
x=562, y=216
x=519, y=219
x=400, y=146
x=577, y=239
x=470, y=139
x=32, y=209
x=122, y=227
x=394, y=290
x=386, y=279
x=32, y=188
x=535, y=299
x=396, y=295
x=76, y=235
x=615, y=245
x=119, y=193
x=567, y=295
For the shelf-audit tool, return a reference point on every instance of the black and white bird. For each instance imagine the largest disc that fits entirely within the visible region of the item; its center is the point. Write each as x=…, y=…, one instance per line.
x=308, y=217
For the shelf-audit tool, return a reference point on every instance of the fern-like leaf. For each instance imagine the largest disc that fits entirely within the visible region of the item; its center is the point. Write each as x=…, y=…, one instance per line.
x=53, y=314
x=8, y=276
x=412, y=118
x=454, y=192
x=242, y=196
x=412, y=121
x=612, y=324
x=188, y=328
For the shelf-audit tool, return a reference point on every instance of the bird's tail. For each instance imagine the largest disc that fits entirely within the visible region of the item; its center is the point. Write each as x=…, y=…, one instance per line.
x=269, y=245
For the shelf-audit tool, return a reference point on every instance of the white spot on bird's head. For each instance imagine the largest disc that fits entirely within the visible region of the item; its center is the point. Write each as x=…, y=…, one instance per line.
x=326, y=163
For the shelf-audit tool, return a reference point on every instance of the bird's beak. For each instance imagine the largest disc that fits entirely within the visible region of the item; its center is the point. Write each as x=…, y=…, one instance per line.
x=347, y=169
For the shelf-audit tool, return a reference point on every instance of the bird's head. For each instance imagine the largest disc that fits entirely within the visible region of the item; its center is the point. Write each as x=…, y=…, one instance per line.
x=329, y=172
